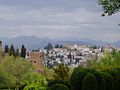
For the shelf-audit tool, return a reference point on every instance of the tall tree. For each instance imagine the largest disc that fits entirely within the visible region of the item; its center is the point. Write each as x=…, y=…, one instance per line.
x=49, y=46
x=12, y=50
x=61, y=46
x=23, y=51
x=6, y=49
x=15, y=71
x=17, y=52
x=57, y=46
x=110, y=6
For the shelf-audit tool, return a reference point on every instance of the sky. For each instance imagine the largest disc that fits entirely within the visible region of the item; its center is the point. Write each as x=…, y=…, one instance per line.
x=57, y=19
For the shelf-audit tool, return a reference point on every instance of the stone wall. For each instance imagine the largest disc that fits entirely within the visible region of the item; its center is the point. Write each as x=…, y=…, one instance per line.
x=37, y=60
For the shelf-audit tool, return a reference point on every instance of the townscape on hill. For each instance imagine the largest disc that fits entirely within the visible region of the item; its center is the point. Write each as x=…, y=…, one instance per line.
x=62, y=59
x=71, y=55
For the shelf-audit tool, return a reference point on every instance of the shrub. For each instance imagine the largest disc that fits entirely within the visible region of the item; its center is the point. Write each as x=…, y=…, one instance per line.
x=30, y=87
x=117, y=82
x=61, y=72
x=34, y=87
x=59, y=87
x=77, y=78
x=89, y=82
x=108, y=81
x=115, y=75
x=42, y=88
x=100, y=80
x=51, y=83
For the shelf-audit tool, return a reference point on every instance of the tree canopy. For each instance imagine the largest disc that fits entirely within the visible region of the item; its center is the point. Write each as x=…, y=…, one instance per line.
x=14, y=70
x=23, y=51
x=110, y=6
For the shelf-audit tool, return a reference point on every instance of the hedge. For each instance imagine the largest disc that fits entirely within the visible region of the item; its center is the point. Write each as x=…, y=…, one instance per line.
x=89, y=82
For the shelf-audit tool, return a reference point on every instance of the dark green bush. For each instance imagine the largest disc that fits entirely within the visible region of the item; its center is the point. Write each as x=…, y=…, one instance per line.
x=115, y=75
x=117, y=82
x=89, y=82
x=77, y=77
x=108, y=81
x=100, y=80
x=59, y=87
x=51, y=83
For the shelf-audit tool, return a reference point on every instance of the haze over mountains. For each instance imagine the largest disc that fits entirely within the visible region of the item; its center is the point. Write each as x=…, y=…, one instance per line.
x=32, y=42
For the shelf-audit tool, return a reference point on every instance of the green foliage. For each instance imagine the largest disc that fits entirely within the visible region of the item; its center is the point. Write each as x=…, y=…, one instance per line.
x=15, y=70
x=48, y=73
x=59, y=87
x=12, y=50
x=117, y=82
x=6, y=49
x=23, y=51
x=77, y=77
x=35, y=79
x=100, y=80
x=61, y=46
x=6, y=80
x=116, y=78
x=108, y=81
x=61, y=72
x=89, y=82
x=57, y=46
x=17, y=52
x=34, y=87
x=53, y=82
x=110, y=6
x=49, y=46
x=109, y=61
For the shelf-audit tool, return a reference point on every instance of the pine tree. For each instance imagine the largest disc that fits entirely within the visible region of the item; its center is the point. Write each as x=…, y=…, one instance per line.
x=23, y=51
x=12, y=50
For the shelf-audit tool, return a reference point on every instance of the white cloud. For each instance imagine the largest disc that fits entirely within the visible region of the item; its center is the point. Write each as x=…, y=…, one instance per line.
x=58, y=22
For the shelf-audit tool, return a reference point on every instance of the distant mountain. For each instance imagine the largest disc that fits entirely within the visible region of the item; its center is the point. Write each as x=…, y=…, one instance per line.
x=32, y=42
x=96, y=42
x=117, y=43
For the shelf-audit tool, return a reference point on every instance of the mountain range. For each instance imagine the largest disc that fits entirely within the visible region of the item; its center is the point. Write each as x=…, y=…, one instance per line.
x=33, y=43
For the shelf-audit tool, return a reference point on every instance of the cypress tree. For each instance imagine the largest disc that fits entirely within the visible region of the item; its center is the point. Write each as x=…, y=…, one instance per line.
x=61, y=46
x=12, y=50
x=49, y=46
x=23, y=51
x=6, y=49
x=57, y=46
x=17, y=52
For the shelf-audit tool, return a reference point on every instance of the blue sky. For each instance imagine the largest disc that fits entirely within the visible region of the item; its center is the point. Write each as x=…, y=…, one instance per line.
x=57, y=19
